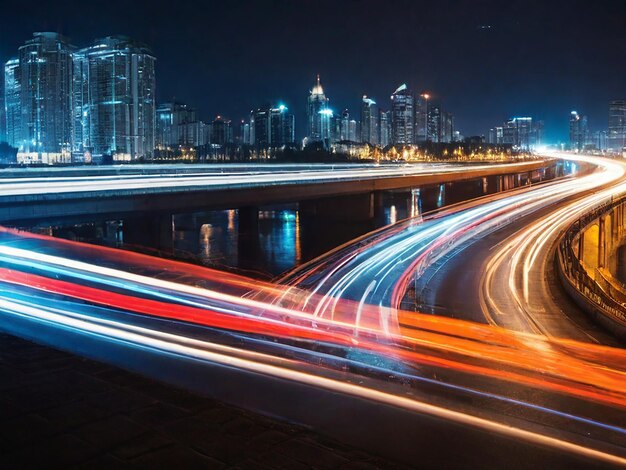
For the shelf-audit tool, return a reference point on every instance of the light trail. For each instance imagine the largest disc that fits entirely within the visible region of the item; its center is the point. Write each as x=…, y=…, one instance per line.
x=245, y=177
x=524, y=257
x=311, y=330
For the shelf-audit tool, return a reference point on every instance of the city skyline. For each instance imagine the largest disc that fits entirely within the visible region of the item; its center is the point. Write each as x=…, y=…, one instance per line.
x=64, y=103
x=194, y=68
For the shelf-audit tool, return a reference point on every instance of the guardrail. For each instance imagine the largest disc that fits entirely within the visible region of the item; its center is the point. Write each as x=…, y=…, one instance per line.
x=595, y=295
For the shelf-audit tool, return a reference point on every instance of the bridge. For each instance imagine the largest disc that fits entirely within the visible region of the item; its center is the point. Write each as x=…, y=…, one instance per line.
x=42, y=194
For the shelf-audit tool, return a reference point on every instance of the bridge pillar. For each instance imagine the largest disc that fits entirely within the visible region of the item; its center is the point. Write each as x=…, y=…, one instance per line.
x=248, y=236
x=378, y=203
x=601, y=243
x=581, y=246
x=152, y=231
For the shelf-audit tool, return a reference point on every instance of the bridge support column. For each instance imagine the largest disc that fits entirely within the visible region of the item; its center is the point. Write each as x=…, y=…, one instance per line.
x=581, y=247
x=248, y=236
x=378, y=203
x=601, y=242
x=495, y=184
x=152, y=231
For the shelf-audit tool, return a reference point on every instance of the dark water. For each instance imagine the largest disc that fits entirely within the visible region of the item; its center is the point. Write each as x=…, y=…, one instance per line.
x=285, y=236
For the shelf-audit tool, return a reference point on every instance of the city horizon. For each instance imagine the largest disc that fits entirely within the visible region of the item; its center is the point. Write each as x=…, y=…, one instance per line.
x=346, y=88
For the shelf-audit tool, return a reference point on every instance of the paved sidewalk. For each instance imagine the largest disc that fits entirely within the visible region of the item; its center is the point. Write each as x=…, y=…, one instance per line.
x=57, y=409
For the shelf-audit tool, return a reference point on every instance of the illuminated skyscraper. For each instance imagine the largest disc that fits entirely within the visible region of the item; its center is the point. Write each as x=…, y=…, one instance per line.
x=45, y=75
x=434, y=124
x=114, y=98
x=177, y=125
x=245, y=133
x=421, y=118
x=402, y=116
x=221, y=131
x=345, y=125
x=522, y=133
x=318, y=115
x=578, y=132
x=260, y=127
x=353, y=131
x=12, y=107
x=617, y=125
x=274, y=127
x=385, y=128
x=600, y=140
x=282, y=127
x=369, y=121
x=495, y=135
x=447, y=127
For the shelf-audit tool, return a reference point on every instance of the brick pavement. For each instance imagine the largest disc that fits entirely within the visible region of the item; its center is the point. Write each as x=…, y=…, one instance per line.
x=60, y=410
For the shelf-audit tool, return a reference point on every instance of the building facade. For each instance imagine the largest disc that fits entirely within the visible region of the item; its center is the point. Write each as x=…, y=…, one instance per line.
x=421, y=118
x=617, y=125
x=385, y=128
x=522, y=133
x=402, y=116
x=282, y=127
x=434, y=124
x=45, y=84
x=220, y=131
x=12, y=106
x=114, y=100
x=177, y=125
x=578, y=131
x=369, y=121
x=318, y=116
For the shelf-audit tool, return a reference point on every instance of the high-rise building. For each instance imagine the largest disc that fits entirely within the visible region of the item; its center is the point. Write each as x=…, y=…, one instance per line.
x=282, y=127
x=12, y=106
x=318, y=115
x=3, y=121
x=369, y=121
x=522, y=133
x=260, y=127
x=434, y=123
x=245, y=133
x=177, y=125
x=402, y=116
x=45, y=76
x=421, y=118
x=114, y=99
x=578, y=132
x=617, y=125
x=385, y=128
x=221, y=131
x=344, y=125
x=447, y=127
x=336, y=121
x=495, y=135
x=353, y=127
x=274, y=127
x=600, y=140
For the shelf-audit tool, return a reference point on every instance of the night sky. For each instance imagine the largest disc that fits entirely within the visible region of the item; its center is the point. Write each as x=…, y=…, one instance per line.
x=483, y=60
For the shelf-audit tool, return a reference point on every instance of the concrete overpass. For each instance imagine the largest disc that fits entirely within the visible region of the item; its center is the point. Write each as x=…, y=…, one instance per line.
x=32, y=196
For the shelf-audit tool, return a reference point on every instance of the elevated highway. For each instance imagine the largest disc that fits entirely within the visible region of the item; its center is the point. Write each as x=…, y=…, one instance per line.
x=35, y=195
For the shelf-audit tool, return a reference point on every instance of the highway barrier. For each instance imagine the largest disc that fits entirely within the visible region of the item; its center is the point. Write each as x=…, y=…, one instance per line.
x=591, y=286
